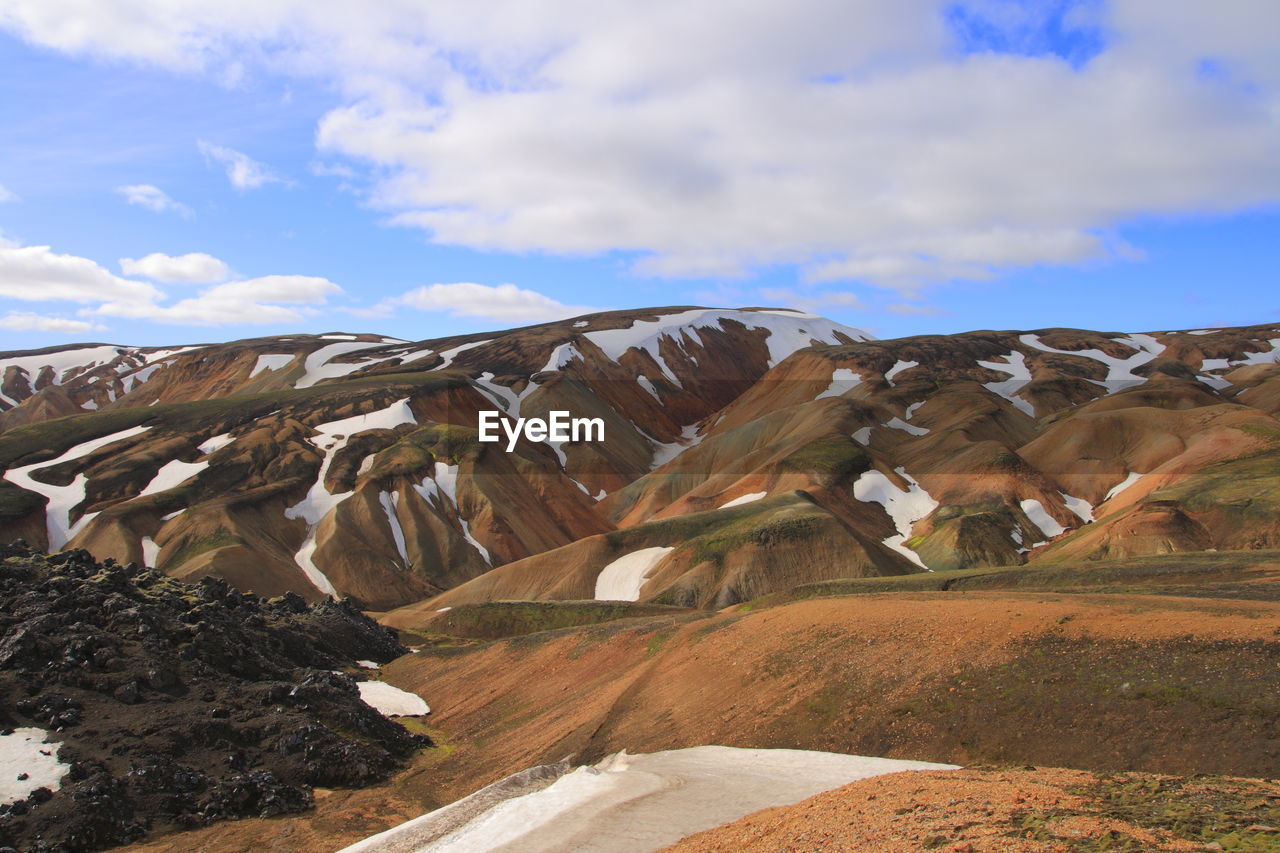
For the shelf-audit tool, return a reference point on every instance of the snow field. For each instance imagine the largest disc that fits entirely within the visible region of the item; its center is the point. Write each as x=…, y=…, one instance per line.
x=63, y=499
x=639, y=803
x=319, y=501
x=26, y=751
x=904, y=508
x=843, y=380
x=622, y=579
x=743, y=499
x=391, y=701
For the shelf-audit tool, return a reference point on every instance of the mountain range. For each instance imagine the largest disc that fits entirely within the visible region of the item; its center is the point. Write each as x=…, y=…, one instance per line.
x=745, y=451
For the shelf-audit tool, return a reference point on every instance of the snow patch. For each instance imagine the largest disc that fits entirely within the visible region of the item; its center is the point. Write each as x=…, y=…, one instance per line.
x=25, y=750
x=636, y=803
x=271, y=361
x=1039, y=516
x=863, y=436
x=150, y=552
x=389, y=501
x=744, y=499
x=391, y=701
x=622, y=579
x=1128, y=481
x=172, y=474
x=63, y=499
x=664, y=453
x=319, y=501
x=904, y=507
x=213, y=445
x=900, y=424
x=1119, y=370
x=644, y=383
x=450, y=354
x=319, y=365
x=898, y=368
x=843, y=380
x=1079, y=506
x=1014, y=364
x=788, y=332
x=368, y=664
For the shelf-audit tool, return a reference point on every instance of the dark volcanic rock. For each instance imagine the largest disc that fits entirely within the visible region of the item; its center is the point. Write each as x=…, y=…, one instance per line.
x=178, y=704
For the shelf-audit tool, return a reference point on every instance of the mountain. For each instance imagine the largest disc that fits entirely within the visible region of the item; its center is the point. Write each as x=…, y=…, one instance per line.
x=746, y=451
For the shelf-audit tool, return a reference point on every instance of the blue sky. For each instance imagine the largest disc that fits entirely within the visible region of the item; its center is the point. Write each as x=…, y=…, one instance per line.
x=907, y=168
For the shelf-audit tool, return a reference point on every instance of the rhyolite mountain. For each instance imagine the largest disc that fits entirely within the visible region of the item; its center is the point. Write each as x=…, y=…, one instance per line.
x=746, y=451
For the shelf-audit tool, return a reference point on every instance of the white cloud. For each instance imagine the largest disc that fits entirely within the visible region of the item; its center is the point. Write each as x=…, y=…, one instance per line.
x=848, y=137
x=36, y=274
x=153, y=198
x=502, y=303
x=25, y=321
x=243, y=171
x=269, y=299
x=192, y=268
x=7, y=195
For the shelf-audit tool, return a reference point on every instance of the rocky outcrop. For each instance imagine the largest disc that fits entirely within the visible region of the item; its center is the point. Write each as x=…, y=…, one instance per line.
x=177, y=705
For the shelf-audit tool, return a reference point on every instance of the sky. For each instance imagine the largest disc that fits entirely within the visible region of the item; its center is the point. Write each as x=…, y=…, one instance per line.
x=176, y=171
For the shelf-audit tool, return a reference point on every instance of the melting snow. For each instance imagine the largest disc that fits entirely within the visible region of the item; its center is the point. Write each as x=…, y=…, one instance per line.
x=213, y=445
x=172, y=474
x=635, y=803
x=389, y=501
x=367, y=664
x=899, y=423
x=450, y=354
x=664, y=453
x=863, y=436
x=743, y=499
x=319, y=502
x=1204, y=332
x=560, y=356
x=622, y=579
x=1039, y=516
x=1133, y=477
x=843, y=380
x=648, y=386
x=89, y=404
x=317, y=365
x=150, y=552
x=898, y=368
x=1079, y=506
x=1119, y=370
x=391, y=701
x=25, y=750
x=139, y=377
x=172, y=515
x=63, y=499
x=581, y=323
x=271, y=361
x=788, y=332
x=1014, y=364
x=905, y=508
x=502, y=395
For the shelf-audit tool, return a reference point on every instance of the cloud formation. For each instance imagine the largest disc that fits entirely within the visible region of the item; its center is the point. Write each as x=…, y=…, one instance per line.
x=243, y=171
x=259, y=301
x=898, y=144
x=26, y=321
x=153, y=198
x=7, y=195
x=503, y=303
x=191, y=268
x=38, y=274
